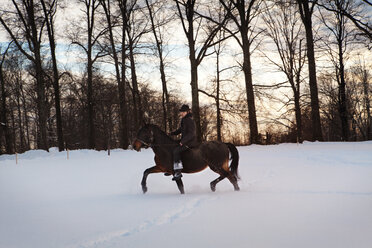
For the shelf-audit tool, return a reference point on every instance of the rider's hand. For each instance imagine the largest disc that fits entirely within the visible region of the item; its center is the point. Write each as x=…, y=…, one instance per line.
x=181, y=144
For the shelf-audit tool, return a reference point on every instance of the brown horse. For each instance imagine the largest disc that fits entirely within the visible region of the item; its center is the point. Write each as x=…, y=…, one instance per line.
x=214, y=154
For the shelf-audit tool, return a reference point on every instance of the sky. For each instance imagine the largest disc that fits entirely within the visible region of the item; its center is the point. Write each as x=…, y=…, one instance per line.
x=178, y=73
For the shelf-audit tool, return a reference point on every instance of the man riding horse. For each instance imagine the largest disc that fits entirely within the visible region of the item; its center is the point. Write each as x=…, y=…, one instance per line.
x=213, y=154
x=188, y=139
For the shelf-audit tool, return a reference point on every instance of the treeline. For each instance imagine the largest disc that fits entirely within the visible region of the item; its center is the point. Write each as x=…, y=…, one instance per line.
x=44, y=103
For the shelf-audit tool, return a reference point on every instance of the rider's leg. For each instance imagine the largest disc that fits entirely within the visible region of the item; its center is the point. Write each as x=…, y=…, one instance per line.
x=177, y=166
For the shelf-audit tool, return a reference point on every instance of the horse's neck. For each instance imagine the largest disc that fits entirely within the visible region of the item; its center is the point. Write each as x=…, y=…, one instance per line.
x=162, y=143
x=161, y=138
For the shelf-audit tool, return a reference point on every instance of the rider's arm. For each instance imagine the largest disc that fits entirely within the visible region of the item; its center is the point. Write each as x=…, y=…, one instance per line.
x=177, y=132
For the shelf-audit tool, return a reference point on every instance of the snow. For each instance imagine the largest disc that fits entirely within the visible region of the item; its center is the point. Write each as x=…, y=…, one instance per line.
x=309, y=195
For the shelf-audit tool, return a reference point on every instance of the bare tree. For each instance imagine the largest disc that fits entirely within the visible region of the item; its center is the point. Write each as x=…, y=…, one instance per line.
x=355, y=15
x=306, y=8
x=285, y=30
x=244, y=14
x=24, y=24
x=87, y=38
x=50, y=10
x=20, y=90
x=134, y=27
x=367, y=102
x=156, y=24
x=111, y=22
x=187, y=11
x=4, y=125
x=122, y=4
x=337, y=45
x=360, y=92
x=217, y=85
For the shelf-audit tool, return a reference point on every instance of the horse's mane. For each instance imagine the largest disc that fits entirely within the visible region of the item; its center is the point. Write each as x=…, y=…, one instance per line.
x=165, y=139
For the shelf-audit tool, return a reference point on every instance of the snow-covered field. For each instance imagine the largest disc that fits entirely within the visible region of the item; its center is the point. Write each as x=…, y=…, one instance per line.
x=312, y=195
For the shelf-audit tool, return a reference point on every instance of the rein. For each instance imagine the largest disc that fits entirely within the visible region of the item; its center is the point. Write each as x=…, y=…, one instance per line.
x=150, y=144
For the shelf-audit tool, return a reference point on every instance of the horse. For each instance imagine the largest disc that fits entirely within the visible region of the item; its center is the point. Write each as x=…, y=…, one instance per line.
x=214, y=154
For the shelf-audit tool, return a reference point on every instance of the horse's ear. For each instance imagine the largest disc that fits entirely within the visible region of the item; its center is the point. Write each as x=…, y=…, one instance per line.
x=145, y=119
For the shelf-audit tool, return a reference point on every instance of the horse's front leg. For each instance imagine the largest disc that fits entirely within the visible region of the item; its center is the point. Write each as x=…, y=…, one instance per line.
x=148, y=171
x=180, y=186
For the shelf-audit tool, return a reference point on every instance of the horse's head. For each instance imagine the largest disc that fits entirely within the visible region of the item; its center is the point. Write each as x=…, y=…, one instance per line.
x=145, y=138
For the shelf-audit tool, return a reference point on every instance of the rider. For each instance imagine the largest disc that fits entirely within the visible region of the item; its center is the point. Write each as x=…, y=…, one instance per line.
x=188, y=139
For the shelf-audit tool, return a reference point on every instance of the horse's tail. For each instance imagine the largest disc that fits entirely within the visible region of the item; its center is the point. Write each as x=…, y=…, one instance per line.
x=234, y=159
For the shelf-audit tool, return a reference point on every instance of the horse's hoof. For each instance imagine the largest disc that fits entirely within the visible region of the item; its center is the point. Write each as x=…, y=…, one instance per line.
x=144, y=189
x=237, y=189
x=213, y=188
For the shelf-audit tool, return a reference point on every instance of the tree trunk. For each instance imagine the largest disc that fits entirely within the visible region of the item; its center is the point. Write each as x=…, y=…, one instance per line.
x=91, y=129
x=315, y=115
x=297, y=93
x=41, y=106
x=136, y=95
x=342, y=96
x=123, y=96
x=367, y=104
x=91, y=117
x=4, y=116
x=195, y=88
x=123, y=137
x=247, y=69
x=20, y=126
x=91, y=134
x=2, y=105
x=13, y=136
x=306, y=14
x=25, y=117
x=219, y=118
x=194, y=71
x=165, y=97
x=40, y=84
x=298, y=116
x=57, y=102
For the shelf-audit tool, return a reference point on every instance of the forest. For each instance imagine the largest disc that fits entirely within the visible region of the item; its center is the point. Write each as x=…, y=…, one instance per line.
x=87, y=74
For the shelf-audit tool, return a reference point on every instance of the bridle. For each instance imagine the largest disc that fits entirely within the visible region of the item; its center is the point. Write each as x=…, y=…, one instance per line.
x=144, y=143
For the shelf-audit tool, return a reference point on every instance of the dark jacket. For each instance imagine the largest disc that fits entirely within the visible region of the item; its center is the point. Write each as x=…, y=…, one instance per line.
x=187, y=131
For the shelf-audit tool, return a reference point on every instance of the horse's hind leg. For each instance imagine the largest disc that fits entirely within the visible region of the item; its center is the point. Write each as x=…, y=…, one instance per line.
x=234, y=181
x=223, y=175
x=213, y=183
x=150, y=170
